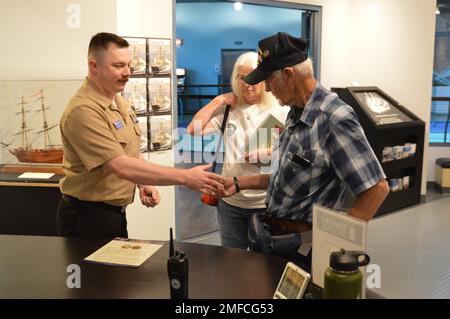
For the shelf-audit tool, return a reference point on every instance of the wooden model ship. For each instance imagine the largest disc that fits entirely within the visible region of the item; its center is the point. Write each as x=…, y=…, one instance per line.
x=26, y=153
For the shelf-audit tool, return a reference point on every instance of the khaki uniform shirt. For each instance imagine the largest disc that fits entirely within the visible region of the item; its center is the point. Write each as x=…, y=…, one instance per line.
x=94, y=131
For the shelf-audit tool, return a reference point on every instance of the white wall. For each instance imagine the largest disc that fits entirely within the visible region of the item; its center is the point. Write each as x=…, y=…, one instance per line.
x=37, y=42
x=143, y=18
x=384, y=43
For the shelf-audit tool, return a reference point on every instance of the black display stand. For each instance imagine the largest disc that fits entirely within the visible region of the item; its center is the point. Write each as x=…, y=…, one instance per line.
x=390, y=125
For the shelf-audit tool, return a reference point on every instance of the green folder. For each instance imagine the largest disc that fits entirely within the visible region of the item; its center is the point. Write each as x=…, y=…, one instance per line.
x=264, y=135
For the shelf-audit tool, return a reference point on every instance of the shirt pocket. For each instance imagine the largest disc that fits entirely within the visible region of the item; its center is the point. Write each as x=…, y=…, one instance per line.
x=320, y=170
x=302, y=177
x=295, y=176
x=122, y=136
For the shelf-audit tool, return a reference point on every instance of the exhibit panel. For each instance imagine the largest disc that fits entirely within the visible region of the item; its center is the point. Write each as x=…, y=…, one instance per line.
x=396, y=135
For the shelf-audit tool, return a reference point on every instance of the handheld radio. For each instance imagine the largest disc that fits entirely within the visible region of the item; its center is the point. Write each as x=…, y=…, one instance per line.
x=178, y=270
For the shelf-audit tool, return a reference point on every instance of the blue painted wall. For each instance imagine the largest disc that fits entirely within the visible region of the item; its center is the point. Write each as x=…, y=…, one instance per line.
x=206, y=28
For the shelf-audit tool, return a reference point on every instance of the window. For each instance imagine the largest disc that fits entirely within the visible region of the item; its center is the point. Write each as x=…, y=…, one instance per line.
x=440, y=107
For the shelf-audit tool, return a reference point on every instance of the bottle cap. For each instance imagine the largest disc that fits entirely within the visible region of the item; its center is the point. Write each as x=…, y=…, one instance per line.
x=348, y=260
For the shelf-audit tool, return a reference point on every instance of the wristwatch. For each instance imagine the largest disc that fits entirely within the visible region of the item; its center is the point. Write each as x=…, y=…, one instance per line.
x=236, y=184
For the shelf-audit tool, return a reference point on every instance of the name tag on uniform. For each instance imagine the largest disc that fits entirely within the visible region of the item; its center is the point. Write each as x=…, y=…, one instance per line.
x=118, y=124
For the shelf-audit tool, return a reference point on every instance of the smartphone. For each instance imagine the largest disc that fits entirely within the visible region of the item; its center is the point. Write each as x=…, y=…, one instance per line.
x=298, y=159
x=293, y=283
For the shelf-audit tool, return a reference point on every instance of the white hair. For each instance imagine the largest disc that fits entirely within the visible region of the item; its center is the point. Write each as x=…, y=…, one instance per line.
x=304, y=68
x=250, y=59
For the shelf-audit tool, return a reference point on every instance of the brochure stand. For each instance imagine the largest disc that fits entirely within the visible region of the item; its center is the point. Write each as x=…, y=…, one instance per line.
x=396, y=136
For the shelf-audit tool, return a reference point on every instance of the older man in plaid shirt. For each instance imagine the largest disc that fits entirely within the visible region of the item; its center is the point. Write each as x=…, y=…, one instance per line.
x=323, y=154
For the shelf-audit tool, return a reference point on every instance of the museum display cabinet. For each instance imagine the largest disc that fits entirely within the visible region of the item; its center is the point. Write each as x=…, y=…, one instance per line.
x=396, y=136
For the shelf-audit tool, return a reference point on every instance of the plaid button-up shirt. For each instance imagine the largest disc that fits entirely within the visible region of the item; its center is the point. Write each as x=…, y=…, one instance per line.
x=328, y=135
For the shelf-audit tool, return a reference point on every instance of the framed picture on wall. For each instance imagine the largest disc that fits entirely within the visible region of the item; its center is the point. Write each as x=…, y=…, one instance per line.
x=149, y=90
x=138, y=50
x=136, y=94
x=159, y=95
x=161, y=132
x=159, y=56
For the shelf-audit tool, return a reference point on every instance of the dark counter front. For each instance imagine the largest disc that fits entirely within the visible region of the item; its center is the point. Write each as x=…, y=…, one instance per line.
x=36, y=267
x=28, y=206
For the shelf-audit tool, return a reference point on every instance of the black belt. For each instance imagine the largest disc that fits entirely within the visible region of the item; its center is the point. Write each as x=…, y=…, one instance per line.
x=281, y=226
x=75, y=201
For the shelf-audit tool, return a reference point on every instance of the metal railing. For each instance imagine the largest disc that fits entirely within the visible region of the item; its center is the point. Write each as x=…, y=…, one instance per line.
x=446, y=121
x=197, y=92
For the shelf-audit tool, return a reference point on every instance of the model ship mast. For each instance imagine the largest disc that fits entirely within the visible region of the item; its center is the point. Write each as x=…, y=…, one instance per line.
x=25, y=130
x=45, y=127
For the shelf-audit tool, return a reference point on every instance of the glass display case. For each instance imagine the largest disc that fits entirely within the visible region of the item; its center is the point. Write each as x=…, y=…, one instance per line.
x=29, y=125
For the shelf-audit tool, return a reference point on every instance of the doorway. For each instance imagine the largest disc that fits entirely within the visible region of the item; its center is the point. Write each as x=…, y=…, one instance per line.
x=213, y=34
x=228, y=58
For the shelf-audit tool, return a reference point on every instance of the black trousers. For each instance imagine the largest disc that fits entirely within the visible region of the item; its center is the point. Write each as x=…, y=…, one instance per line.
x=77, y=218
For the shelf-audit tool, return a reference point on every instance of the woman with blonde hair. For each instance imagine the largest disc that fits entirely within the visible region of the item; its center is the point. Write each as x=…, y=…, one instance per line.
x=251, y=105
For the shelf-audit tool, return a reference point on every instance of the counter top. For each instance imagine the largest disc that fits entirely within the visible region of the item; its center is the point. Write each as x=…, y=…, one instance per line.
x=35, y=267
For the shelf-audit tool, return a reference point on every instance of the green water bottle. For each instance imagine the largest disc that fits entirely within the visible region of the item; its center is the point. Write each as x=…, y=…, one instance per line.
x=343, y=279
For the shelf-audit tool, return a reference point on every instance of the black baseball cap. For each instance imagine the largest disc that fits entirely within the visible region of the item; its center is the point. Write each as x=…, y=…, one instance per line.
x=276, y=52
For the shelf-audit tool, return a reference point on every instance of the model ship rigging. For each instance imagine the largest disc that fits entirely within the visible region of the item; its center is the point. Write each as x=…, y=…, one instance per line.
x=26, y=153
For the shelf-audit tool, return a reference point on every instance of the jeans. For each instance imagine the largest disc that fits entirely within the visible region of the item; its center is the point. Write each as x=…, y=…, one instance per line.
x=77, y=218
x=234, y=223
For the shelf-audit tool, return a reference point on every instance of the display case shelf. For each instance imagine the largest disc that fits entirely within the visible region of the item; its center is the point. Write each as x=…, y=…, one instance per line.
x=399, y=164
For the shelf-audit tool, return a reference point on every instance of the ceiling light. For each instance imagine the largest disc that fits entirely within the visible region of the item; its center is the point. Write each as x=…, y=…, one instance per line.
x=238, y=6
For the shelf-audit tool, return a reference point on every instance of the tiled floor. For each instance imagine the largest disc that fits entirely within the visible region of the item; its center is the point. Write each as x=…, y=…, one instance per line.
x=412, y=251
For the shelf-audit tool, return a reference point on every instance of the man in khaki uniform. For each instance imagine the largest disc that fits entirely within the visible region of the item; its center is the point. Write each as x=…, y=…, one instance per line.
x=102, y=162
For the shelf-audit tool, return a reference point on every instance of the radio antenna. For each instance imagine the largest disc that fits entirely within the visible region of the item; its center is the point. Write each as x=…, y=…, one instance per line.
x=171, y=249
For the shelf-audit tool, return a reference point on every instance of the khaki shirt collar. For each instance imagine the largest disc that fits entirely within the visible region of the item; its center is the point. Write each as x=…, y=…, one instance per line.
x=97, y=94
